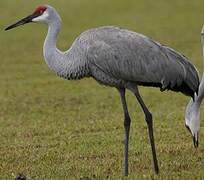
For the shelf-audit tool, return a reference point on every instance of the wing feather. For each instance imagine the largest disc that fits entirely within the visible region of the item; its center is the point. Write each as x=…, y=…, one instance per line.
x=130, y=56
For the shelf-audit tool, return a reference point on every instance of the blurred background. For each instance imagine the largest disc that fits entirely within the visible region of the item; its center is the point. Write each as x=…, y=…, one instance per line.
x=53, y=128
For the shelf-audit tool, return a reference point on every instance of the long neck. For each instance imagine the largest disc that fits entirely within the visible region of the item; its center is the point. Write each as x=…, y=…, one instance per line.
x=65, y=64
x=50, y=50
x=192, y=114
x=201, y=87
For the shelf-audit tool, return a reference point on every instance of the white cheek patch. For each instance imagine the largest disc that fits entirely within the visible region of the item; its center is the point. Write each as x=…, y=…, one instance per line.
x=41, y=18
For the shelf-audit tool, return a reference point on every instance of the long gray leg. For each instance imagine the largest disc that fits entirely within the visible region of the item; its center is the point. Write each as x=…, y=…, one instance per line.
x=148, y=118
x=127, y=122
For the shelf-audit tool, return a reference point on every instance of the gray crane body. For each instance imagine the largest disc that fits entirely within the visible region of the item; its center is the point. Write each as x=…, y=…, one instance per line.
x=118, y=57
x=123, y=59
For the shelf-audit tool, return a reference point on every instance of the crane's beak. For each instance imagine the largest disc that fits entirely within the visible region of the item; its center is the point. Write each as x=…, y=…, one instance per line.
x=25, y=20
x=195, y=137
x=195, y=141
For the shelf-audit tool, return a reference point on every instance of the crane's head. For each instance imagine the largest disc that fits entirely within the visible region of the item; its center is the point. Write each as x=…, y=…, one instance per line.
x=45, y=14
x=192, y=119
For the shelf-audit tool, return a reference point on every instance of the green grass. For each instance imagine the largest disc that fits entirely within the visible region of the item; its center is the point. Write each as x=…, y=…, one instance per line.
x=51, y=128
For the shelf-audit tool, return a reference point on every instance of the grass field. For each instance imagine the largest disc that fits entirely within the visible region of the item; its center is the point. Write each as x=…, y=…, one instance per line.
x=51, y=128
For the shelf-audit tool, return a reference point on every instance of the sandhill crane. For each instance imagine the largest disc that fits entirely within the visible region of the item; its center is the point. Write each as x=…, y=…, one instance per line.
x=118, y=58
x=192, y=115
